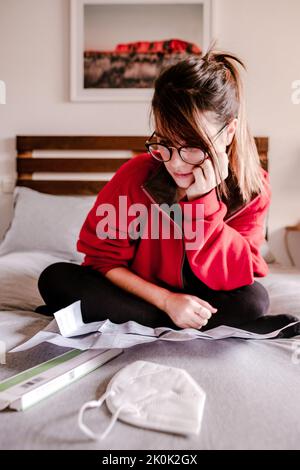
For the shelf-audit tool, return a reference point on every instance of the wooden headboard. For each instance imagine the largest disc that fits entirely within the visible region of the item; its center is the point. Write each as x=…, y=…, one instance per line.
x=27, y=163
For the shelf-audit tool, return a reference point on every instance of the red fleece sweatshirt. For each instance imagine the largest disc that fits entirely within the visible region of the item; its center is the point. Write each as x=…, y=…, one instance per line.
x=227, y=256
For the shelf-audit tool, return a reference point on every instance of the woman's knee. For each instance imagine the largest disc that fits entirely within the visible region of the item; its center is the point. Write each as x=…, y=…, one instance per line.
x=50, y=273
x=55, y=277
x=255, y=300
x=64, y=282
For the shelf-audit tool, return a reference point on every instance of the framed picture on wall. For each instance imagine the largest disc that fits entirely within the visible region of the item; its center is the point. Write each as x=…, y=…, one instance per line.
x=118, y=47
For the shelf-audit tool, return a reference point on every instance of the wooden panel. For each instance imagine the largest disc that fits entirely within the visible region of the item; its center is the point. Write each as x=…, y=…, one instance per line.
x=71, y=187
x=73, y=165
x=262, y=144
x=25, y=176
x=30, y=143
x=264, y=160
x=25, y=154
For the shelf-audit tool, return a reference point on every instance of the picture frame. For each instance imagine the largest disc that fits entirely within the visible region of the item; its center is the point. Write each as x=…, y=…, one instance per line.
x=119, y=22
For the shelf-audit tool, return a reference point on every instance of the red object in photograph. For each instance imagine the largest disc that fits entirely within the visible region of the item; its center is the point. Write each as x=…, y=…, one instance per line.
x=134, y=64
x=167, y=46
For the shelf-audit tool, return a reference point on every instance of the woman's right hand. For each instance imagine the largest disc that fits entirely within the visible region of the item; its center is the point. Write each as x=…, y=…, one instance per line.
x=188, y=311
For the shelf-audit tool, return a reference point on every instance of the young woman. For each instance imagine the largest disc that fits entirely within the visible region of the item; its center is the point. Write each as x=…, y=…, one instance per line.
x=201, y=159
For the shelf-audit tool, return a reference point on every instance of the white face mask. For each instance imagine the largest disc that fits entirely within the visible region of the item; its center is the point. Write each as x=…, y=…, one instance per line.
x=151, y=396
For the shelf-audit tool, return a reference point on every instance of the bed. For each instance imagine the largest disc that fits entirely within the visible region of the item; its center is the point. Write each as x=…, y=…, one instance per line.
x=251, y=385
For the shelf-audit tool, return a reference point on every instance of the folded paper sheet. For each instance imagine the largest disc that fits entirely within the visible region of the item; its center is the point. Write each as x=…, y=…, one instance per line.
x=68, y=330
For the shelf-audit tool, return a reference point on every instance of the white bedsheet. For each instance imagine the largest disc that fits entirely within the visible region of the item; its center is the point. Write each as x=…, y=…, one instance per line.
x=283, y=285
x=252, y=386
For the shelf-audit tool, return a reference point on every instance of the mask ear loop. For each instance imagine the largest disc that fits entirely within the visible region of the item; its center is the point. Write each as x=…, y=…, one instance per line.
x=97, y=404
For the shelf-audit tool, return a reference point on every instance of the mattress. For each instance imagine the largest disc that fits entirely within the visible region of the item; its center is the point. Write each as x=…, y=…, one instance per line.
x=252, y=386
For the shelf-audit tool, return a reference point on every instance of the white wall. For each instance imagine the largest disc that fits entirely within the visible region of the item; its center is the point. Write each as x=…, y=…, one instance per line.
x=34, y=63
x=266, y=34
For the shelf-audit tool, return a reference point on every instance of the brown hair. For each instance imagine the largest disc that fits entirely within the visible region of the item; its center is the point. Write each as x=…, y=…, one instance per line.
x=212, y=82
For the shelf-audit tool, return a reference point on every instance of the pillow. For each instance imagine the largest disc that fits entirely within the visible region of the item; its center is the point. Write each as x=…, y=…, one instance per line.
x=46, y=223
x=19, y=273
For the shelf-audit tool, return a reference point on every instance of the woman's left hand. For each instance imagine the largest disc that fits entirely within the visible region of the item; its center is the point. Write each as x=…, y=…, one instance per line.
x=205, y=178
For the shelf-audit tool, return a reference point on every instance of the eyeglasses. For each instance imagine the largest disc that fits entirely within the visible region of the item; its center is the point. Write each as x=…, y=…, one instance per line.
x=190, y=155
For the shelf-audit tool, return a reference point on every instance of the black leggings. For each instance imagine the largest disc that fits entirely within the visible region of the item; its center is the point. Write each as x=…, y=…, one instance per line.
x=63, y=283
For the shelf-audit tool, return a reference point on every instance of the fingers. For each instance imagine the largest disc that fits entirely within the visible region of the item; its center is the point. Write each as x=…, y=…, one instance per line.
x=197, y=322
x=203, y=312
x=200, y=321
x=208, y=306
x=199, y=172
x=208, y=172
x=223, y=166
x=198, y=316
x=202, y=316
x=201, y=169
x=205, y=304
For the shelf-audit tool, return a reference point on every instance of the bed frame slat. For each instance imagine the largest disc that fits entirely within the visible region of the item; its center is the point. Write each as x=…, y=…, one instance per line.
x=30, y=143
x=72, y=165
x=64, y=187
